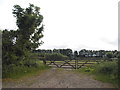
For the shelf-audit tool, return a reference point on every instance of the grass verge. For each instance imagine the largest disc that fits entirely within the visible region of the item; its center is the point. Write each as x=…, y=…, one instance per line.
x=16, y=72
x=106, y=72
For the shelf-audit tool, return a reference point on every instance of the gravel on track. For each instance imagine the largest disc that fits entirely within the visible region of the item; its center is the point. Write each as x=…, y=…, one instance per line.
x=57, y=78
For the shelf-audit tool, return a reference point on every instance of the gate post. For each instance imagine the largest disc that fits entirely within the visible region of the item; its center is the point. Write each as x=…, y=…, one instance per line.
x=76, y=64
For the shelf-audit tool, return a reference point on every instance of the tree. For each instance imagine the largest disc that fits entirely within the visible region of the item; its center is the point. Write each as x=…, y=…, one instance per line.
x=8, y=55
x=75, y=54
x=55, y=57
x=29, y=26
x=109, y=55
x=82, y=52
x=29, y=30
x=18, y=44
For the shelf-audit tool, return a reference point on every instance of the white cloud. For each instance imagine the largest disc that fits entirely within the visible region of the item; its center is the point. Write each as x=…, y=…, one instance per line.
x=72, y=24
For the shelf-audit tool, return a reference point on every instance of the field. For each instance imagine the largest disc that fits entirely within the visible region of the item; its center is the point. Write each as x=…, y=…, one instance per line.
x=73, y=64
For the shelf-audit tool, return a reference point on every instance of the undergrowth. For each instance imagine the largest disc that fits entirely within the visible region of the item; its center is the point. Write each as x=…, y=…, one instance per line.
x=16, y=72
x=105, y=72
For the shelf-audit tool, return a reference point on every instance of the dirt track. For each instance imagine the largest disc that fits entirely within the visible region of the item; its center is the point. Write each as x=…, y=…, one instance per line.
x=55, y=78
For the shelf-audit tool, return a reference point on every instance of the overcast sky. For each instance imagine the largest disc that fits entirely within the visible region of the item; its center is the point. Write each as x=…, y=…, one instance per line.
x=75, y=24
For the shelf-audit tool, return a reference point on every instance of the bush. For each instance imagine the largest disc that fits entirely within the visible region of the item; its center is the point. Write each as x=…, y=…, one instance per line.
x=13, y=71
x=55, y=57
x=107, y=68
x=105, y=72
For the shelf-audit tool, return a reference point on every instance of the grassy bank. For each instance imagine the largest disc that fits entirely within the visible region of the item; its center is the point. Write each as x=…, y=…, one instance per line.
x=16, y=72
x=105, y=72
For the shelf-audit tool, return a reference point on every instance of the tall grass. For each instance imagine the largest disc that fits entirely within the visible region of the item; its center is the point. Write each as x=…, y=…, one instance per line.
x=107, y=68
x=105, y=71
x=14, y=72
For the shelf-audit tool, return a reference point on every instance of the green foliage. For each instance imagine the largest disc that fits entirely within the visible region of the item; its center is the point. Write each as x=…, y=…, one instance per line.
x=13, y=71
x=89, y=69
x=51, y=56
x=75, y=54
x=18, y=44
x=8, y=46
x=107, y=68
x=109, y=55
x=105, y=71
x=28, y=22
x=55, y=57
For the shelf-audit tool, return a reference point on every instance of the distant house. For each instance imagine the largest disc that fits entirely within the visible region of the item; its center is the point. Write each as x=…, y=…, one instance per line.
x=94, y=55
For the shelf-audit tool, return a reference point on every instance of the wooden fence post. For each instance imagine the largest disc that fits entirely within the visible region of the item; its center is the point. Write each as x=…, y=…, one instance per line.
x=76, y=64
